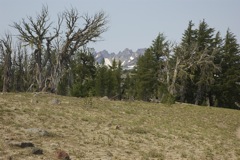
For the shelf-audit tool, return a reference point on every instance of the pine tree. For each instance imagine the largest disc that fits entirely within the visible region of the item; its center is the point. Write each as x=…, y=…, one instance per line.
x=205, y=66
x=227, y=88
x=184, y=54
x=196, y=59
x=118, y=74
x=83, y=72
x=147, y=76
x=189, y=35
x=101, y=80
x=153, y=72
x=127, y=88
x=204, y=36
x=113, y=80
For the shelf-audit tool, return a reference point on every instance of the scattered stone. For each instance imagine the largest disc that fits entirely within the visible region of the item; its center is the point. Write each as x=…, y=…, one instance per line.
x=55, y=101
x=62, y=155
x=117, y=127
x=37, y=131
x=37, y=151
x=21, y=144
x=105, y=98
x=26, y=144
x=154, y=100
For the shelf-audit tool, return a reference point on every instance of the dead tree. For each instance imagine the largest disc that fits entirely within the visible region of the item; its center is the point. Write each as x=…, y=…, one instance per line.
x=6, y=52
x=35, y=33
x=237, y=104
x=76, y=37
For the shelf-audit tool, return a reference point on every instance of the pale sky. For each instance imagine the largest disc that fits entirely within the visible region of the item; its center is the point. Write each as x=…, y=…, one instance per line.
x=134, y=24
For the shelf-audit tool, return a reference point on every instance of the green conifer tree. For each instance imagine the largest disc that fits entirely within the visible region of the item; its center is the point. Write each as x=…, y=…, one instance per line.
x=101, y=80
x=228, y=91
x=146, y=76
x=84, y=70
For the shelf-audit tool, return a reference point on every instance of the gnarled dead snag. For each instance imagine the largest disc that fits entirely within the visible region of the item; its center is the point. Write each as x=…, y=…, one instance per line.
x=49, y=61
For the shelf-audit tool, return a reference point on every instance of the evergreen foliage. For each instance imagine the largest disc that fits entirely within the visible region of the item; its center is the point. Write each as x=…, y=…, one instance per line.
x=227, y=89
x=108, y=80
x=83, y=72
x=153, y=71
x=101, y=80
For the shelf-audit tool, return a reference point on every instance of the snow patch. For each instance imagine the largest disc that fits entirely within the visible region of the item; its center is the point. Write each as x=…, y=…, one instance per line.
x=131, y=58
x=107, y=62
x=131, y=67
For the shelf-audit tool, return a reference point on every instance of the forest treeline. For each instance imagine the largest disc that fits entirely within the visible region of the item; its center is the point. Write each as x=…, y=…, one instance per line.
x=203, y=69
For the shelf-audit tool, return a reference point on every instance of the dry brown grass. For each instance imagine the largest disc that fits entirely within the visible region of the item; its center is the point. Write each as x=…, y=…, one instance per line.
x=96, y=129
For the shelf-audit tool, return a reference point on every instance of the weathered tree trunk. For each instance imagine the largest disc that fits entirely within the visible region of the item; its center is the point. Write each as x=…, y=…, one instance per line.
x=7, y=72
x=199, y=95
x=171, y=88
x=39, y=76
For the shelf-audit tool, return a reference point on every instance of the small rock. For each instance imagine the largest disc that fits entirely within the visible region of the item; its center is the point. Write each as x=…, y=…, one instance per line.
x=62, y=155
x=105, y=98
x=55, y=101
x=37, y=131
x=37, y=151
x=26, y=144
x=117, y=127
x=21, y=144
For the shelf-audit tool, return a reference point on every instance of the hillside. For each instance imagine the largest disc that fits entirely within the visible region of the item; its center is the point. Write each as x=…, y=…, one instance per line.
x=97, y=128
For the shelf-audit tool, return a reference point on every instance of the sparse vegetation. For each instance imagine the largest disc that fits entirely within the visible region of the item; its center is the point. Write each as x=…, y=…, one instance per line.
x=117, y=129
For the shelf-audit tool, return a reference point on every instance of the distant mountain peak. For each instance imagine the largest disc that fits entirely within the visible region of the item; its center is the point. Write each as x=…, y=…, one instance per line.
x=127, y=49
x=127, y=57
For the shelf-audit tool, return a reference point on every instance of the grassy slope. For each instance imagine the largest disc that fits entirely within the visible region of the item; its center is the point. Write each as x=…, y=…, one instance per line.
x=98, y=129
